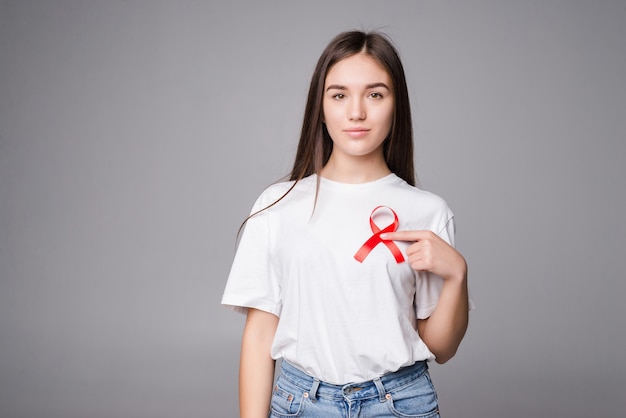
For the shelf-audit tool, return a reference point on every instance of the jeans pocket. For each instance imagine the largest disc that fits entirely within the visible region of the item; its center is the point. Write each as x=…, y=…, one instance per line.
x=287, y=399
x=417, y=399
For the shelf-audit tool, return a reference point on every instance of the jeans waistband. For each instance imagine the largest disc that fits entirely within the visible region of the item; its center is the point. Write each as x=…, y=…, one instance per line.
x=378, y=387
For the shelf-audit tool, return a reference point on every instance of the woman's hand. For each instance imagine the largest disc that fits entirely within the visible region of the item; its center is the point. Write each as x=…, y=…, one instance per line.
x=429, y=252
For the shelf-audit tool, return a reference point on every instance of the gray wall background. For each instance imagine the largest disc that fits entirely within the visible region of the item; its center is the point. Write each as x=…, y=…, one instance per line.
x=135, y=136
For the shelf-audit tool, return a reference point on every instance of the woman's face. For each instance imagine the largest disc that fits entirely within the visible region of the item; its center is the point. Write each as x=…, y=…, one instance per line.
x=358, y=107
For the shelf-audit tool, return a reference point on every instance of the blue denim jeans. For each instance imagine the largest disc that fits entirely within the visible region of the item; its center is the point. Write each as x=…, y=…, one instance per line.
x=406, y=393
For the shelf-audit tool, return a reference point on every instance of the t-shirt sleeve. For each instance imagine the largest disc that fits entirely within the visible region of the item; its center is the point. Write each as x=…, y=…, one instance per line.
x=252, y=282
x=429, y=285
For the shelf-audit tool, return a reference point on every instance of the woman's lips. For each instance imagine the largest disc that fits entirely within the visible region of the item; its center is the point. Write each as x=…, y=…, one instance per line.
x=356, y=132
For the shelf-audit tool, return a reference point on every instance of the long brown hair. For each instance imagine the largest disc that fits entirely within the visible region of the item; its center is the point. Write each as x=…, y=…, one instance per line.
x=315, y=144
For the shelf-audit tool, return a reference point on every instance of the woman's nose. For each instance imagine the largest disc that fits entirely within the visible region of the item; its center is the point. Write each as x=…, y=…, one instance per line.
x=357, y=110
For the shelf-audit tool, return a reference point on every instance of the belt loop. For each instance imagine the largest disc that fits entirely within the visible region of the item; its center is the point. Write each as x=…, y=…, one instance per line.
x=382, y=393
x=313, y=391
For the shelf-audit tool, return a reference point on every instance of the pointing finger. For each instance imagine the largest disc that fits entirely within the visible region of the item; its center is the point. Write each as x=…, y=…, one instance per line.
x=406, y=235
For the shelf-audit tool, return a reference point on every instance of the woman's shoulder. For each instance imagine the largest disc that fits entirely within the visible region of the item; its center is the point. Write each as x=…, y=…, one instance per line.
x=281, y=188
x=416, y=194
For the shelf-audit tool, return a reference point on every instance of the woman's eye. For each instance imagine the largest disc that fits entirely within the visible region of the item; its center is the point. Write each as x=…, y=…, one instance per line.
x=339, y=96
x=376, y=95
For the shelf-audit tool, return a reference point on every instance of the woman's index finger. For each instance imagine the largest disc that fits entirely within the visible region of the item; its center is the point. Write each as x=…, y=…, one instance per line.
x=409, y=235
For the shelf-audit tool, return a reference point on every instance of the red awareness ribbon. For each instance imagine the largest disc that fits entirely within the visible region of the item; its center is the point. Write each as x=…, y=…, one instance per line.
x=375, y=239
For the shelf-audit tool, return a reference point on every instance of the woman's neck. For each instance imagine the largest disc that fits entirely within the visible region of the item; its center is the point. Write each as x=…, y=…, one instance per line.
x=355, y=170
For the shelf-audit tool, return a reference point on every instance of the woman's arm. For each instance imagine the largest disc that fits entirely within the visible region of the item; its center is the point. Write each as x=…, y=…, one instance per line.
x=256, y=367
x=443, y=331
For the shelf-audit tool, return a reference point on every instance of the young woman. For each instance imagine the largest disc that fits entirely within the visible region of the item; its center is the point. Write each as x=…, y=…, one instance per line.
x=347, y=272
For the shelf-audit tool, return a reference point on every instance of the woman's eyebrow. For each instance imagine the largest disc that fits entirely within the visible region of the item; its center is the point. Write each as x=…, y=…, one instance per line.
x=375, y=85
x=369, y=86
x=336, y=87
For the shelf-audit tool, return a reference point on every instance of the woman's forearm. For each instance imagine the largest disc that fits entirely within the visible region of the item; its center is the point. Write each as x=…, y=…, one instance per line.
x=256, y=368
x=443, y=331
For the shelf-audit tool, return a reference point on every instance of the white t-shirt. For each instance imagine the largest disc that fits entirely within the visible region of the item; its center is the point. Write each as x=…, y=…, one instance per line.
x=341, y=320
